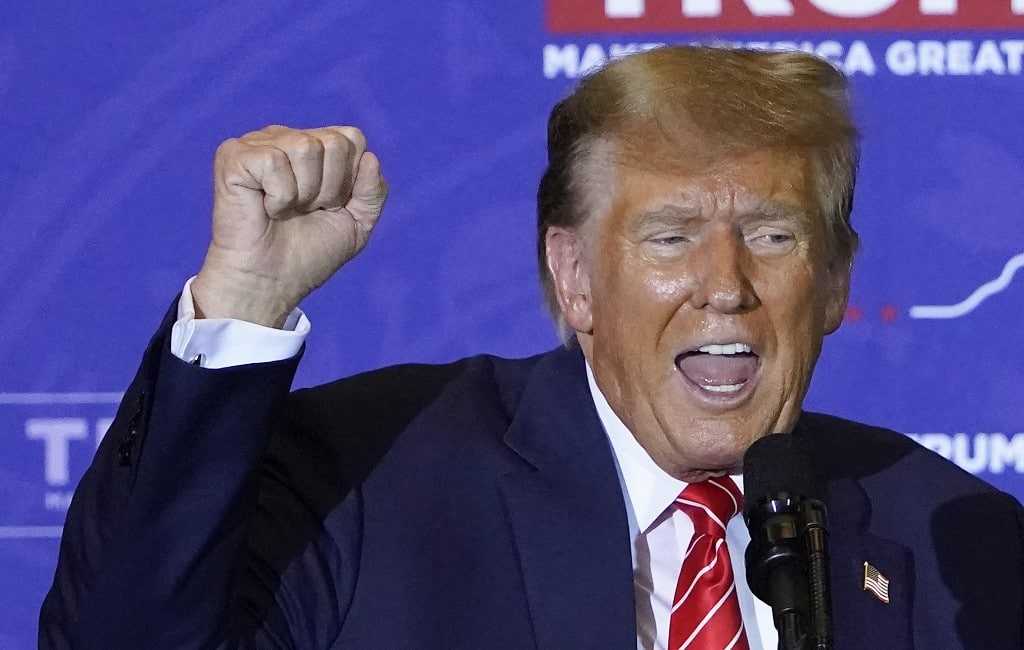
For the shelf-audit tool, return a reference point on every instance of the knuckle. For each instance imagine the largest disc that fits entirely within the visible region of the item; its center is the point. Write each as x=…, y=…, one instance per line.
x=336, y=144
x=227, y=148
x=271, y=157
x=305, y=145
x=355, y=136
x=255, y=136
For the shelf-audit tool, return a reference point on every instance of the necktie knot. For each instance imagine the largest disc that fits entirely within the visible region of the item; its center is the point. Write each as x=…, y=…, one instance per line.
x=711, y=504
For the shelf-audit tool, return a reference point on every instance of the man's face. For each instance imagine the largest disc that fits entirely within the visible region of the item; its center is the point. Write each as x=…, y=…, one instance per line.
x=701, y=302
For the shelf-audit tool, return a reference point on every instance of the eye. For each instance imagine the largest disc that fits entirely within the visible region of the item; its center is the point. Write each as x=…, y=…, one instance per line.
x=772, y=236
x=670, y=240
x=771, y=240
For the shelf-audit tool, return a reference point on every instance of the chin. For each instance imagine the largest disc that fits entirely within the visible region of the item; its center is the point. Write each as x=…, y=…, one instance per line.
x=721, y=458
x=718, y=446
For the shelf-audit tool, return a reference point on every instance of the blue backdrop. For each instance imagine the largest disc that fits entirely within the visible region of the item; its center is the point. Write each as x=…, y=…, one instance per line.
x=110, y=113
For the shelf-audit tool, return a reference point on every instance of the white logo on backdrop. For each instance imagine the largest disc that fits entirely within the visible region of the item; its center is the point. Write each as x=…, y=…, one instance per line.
x=978, y=296
x=59, y=440
x=992, y=453
x=902, y=58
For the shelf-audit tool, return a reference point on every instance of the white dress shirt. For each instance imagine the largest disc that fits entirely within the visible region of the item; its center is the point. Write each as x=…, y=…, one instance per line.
x=660, y=531
x=225, y=342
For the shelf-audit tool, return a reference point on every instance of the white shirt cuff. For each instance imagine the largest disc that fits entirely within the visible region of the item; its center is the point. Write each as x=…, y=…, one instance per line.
x=226, y=342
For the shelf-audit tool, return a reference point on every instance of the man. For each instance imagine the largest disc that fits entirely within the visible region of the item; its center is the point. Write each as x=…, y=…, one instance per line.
x=694, y=238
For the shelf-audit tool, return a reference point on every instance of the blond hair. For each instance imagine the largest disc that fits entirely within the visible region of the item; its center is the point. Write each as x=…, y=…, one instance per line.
x=681, y=108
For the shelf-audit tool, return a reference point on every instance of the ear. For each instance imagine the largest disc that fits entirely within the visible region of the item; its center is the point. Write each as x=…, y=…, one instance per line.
x=571, y=276
x=837, y=295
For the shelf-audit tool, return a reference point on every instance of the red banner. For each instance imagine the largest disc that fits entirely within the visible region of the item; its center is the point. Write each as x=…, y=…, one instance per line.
x=728, y=16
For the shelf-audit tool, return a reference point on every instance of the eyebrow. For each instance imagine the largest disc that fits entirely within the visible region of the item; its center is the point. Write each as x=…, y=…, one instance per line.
x=764, y=211
x=776, y=211
x=666, y=216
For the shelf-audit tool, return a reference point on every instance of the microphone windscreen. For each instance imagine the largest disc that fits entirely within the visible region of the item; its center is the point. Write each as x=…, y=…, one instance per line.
x=779, y=462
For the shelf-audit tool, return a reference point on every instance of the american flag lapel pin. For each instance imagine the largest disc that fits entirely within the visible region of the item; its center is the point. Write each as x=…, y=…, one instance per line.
x=876, y=583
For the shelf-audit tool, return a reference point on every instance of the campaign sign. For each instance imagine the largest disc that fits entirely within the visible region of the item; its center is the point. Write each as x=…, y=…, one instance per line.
x=730, y=16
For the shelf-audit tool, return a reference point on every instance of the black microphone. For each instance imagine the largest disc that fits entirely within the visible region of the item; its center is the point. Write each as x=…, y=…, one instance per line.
x=787, y=560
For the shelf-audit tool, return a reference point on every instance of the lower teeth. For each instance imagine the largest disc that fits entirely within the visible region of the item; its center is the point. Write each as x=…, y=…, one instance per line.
x=727, y=388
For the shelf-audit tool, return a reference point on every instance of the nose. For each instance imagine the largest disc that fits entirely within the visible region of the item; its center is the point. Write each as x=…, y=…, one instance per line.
x=719, y=268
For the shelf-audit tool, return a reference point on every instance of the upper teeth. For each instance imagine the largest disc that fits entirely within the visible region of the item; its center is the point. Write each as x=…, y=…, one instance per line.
x=728, y=348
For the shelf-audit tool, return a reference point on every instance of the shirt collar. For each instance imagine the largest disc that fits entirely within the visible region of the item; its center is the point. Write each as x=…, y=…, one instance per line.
x=649, y=488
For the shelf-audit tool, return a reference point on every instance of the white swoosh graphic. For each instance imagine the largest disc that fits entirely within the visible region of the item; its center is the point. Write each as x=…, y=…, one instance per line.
x=972, y=301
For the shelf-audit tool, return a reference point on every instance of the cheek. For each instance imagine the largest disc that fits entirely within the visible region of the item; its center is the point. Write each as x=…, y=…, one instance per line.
x=638, y=298
x=797, y=309
x=799, y=335
x=666, y=288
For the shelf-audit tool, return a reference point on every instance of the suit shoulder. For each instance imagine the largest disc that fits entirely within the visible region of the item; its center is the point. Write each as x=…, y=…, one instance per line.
x=834, y=430
x=399, y=392
x=352, y=422
x=332, y=436
x=861, y=450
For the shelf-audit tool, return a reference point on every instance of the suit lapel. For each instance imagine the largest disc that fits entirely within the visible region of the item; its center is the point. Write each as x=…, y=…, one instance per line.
x=861, y=619
x=567, y=513
x=566, y=510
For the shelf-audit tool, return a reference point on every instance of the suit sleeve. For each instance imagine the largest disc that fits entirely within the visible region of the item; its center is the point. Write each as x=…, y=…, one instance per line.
x=154, y=544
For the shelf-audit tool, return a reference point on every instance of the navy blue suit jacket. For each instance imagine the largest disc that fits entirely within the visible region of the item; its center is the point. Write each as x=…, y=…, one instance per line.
x=469, y=505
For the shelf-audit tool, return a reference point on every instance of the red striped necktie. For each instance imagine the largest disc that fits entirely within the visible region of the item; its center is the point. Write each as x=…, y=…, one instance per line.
x=706, y=610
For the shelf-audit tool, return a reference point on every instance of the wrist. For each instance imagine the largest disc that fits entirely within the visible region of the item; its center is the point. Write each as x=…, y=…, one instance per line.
x=240, y=296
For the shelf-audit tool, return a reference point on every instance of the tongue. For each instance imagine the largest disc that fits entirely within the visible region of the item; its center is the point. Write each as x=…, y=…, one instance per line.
x=718, y=370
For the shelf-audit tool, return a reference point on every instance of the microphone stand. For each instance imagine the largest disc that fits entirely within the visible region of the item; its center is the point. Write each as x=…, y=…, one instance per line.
x=815, y=534
x=776, y=569
x=787, y=567
x=787, y=559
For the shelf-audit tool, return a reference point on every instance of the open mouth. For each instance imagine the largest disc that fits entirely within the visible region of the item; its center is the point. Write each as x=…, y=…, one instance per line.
x=722, y=369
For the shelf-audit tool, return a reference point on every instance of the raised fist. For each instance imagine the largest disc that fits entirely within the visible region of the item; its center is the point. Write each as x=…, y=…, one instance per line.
x=290, y=208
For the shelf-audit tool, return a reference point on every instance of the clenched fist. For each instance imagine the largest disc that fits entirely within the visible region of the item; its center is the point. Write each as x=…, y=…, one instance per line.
x=290, y=208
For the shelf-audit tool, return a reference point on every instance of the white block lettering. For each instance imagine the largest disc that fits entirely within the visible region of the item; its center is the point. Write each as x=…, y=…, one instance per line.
x=624, y=8
x=593, y=57
x=702, y=8
x=55, y=434
x=561, y=60
x=973, y=461
x=900, y=59
x=859, y=59
x=988, y=59
x=1006, y=452
x=1014, y=51
x=931, y=58
x=853, y=8
x=959, y=55
x=841, y=8
x=939, y=7
x=713, y=8
x=831, y=51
